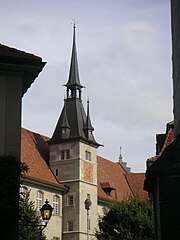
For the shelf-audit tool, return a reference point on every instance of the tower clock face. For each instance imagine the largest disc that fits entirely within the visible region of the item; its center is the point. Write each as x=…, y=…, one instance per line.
x=88, y=172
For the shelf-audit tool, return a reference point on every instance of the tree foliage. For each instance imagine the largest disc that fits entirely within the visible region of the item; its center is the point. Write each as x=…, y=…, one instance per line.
x=130, y=219
x=29, y=219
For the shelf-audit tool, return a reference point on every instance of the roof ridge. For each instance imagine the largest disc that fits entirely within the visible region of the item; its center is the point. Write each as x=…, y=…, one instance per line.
x=35, y=132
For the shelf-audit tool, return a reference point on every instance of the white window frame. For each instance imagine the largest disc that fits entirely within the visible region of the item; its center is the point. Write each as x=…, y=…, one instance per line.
x=23, y=191
x=39, y=199
x=56, y=201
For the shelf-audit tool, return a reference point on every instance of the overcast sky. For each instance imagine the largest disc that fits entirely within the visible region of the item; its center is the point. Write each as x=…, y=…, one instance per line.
x=124, y=57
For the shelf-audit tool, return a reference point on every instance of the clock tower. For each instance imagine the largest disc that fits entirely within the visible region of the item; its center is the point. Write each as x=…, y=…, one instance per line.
x=73, y=158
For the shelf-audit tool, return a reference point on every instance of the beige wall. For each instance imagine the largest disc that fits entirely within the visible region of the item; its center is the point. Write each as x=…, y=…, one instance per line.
x=54, y=227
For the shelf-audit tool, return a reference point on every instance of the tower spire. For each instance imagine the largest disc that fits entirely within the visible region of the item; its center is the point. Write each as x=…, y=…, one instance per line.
x=74, y=123
x=73, y=85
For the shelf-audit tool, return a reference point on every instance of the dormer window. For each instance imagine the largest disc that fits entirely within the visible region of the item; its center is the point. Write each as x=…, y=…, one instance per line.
x=107, y=188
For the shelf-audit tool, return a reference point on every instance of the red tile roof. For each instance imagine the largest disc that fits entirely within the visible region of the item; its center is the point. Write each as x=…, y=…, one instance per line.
x=136, y=183
x=34, y=152
x=110, y=175
x=121, y=183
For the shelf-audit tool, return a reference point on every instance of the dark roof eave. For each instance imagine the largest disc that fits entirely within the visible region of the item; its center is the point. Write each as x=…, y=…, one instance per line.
x=28, y=69
x=73, y=85
x=37, y=181
x=57, y=141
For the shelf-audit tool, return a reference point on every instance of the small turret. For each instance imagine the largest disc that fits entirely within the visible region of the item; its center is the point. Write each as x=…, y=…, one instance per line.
x=122, y=163
x=88, y=129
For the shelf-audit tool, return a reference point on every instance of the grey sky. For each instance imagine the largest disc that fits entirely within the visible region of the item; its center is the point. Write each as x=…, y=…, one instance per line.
x=124, y=56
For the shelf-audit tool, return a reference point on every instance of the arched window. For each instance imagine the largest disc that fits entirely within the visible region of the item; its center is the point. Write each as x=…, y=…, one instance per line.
x=56, y=205
x=39, y=200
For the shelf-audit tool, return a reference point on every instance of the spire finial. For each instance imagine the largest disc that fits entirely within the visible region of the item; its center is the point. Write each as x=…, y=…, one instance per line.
x=120, y=156
x=74, y=22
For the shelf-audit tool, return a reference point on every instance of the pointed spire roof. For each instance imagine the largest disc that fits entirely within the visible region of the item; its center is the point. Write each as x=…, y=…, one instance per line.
x=73, y=117
x=88, y=125
x=74, y=80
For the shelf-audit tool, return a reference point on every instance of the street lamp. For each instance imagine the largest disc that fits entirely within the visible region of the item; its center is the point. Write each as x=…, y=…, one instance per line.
x=46, y=212
x=87, y=203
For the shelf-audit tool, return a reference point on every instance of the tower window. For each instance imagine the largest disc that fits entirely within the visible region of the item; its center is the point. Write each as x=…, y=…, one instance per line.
x=70, y=200
x=56, y=172
x=88, y=155
x=65, y=154
x=70, y=225
x=62, y=155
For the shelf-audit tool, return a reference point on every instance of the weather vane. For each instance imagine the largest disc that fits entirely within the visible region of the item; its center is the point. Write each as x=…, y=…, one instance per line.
x=74, y=22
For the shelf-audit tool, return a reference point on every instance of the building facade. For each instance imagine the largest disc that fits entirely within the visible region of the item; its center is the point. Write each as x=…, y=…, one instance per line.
x=66, y=170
